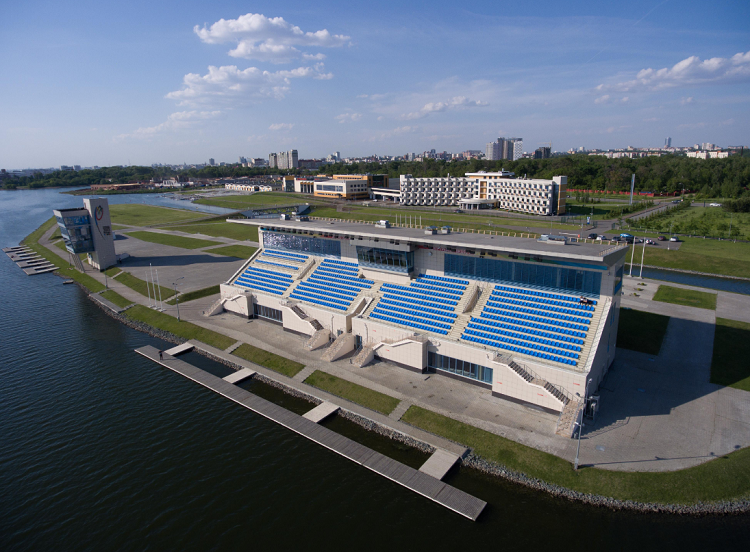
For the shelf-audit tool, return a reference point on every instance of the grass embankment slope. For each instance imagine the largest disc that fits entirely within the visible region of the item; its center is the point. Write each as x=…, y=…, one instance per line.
x=220, y=229
x=731, y=365
x=720, y=479
x=197, y=294
x=686, y=297
x=267, y=359
x=257, y=200
x=115, y=298
x=172, y=240
x=373, y=400
x=136, y=214
x=710, y=256
x=143, y=287
x=185, y=330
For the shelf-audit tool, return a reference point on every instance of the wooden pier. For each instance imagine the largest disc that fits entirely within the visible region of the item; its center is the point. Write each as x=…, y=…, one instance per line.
x=415, y=480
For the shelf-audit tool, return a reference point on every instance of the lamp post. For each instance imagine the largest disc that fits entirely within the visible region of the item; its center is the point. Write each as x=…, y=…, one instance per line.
x=580, y=425
x=177, y=299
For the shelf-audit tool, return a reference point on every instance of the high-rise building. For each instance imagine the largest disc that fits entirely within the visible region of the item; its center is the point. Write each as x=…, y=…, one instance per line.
x=286, y=159
x=273, y=160
x=504, y=148
x=668, y=143
x=708, y=146
x=243, y=160
x=211, y=161
x=542, y=153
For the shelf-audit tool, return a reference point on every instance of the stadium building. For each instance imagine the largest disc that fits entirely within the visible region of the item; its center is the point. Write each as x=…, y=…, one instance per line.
x=529, y=320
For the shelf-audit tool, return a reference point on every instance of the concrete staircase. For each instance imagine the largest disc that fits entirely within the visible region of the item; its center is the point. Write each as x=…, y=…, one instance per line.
x=568, y=417
x=533, y=379
x=364, y=357
x=319, y=339
x=342, y=345
x=468, y=299
x=459, y=326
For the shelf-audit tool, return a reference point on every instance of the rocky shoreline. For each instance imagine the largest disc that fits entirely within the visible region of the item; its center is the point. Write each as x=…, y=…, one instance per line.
x=471, y=461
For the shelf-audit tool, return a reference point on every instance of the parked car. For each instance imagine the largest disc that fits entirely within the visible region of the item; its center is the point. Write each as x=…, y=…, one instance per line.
x=650, y=242
x=601, y=237
x=661, y=238
x=457, y=211
x=674, y=239
x=639, y=240
x=615, y=238
x=714, y=204
x=593, y=236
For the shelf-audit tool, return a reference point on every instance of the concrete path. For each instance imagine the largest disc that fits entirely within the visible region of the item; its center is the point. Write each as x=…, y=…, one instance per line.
x=439, y=464
x=240, y=375
x=321, y=412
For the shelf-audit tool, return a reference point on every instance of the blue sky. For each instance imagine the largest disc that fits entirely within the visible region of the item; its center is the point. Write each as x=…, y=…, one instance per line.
x=99, y=83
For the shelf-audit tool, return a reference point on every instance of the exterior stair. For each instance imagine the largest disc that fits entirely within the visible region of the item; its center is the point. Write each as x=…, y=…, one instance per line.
x=568, y=417
x=365, y=355
x=339, y=347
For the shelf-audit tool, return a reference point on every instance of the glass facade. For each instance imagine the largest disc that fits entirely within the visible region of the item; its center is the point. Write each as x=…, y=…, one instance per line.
x=459, y=367
x=385, y=259
x=618, y=279
x=76, y=233
x=265, y=312
x=302, y=244
x=495, y=270
x=329, y=188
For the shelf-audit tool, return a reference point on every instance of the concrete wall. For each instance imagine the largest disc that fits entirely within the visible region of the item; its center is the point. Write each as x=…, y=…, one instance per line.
x=410, y=353
x=241, y=305
x=101, y=230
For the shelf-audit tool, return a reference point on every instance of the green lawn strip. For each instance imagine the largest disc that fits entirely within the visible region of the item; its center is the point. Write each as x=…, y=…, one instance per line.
x=641, y=331
x=221, y=230
x=136, y=284
x=724, y=478
x=114, y=271
x=119, y=227
x=37, y=234
x=174, y=241
x=183, y=329
x=85, y=280
x=373, y=400
x=239, y=251
x=197, y=294
x=267, y=199
x=730, y=364
x=686, y=297
x=116, y=298
x=135, y=214
x=270, y=360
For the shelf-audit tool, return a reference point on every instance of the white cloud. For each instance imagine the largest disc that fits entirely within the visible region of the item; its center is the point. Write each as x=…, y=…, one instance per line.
x=228, y=85
x=602, y=99
x=457, y=102
x=688, y=72
x=281, y=126
x=348, y=117
x=269, y=39
x=178, y=120
x=685, y=101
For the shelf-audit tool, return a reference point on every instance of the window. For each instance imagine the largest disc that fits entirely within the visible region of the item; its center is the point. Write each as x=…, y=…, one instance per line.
x=459, y=367
x=302, y=244
x=266, y=312
x=387, y=259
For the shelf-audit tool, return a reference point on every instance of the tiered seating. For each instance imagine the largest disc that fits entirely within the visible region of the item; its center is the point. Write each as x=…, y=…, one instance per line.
x=428, y=303
x=334, y=284
x=275, y=257
x=546, y=325
x=285, y=254
x=290, y=267
x=264, y=280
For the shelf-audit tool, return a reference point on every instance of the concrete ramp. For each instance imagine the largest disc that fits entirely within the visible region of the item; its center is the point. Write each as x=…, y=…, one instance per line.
x=439, y=463
x=240, y=375
x=320, y=412
x=180, y=349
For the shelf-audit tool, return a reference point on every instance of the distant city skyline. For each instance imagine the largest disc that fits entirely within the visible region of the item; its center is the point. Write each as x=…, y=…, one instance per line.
x=148, y=83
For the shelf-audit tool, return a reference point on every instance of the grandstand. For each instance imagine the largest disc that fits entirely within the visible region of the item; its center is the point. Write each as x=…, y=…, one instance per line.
x=531, y=321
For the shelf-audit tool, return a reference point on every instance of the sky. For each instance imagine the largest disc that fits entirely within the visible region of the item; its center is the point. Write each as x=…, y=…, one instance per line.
x=141, y=82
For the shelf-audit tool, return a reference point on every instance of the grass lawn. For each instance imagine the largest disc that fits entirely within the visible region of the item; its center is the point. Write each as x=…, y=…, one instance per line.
x=723, y=478
x=87, y=281
x=711, y=256
x=116, y=298
x=221, y=230
x=136, y=284
x=277, y=363
x=267, y=199
x=351, y=391
x=197, y=294
x=730, y=364
x=112, y=271
x=239, y=251
x=687, y=297
x=135, y=214
x=641, y=331
x=119, y=227
x=174, y=241
x=37, y=234
x=183, y=329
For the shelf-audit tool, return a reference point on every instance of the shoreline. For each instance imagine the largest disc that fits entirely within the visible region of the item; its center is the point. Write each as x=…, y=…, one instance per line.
x=471, y=461
x=694, y=272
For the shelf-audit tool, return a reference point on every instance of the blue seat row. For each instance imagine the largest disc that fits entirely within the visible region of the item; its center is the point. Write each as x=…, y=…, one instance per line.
x=349, y=280
x=340, y=269
x=290, y=267
x=426, y=287
x=418, y=291
x=327, y=291
x=250, y=273
x=263, y=282
x=539, y=306
x=444, y=279
x=343, y=275
x=287, y=254
x=532, y=346
x=411, y=325
x=542, y=294
x=400, y=304
x=566, y=327
x=487, y=326
x=260, y=288
x=515, y=349
x=331, y=288
x=269, y=273
x=435, y=317
x=421, y=299
x=537, y=313
x=535, y=299
x=316, y=301
x=419, y=304
x=342, y=263
x=409, y=319
x=275, y=256
x=516, y=326
x=400, y=290
x=322, y=281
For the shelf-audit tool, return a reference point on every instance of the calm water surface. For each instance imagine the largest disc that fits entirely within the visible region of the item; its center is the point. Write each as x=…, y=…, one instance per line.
x=101, y=449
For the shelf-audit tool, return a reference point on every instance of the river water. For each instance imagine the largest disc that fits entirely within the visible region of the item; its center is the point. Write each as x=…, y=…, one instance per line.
x=101, y=449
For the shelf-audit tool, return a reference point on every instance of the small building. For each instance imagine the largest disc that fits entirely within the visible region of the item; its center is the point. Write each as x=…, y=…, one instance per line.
x=89, y=230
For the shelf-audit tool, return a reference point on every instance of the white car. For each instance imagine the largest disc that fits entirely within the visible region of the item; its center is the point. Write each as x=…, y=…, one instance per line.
x=673, y=239
x=714, y=204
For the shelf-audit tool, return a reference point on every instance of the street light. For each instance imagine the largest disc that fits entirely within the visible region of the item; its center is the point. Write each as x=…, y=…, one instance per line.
x=176, y=298
x=580, y=425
